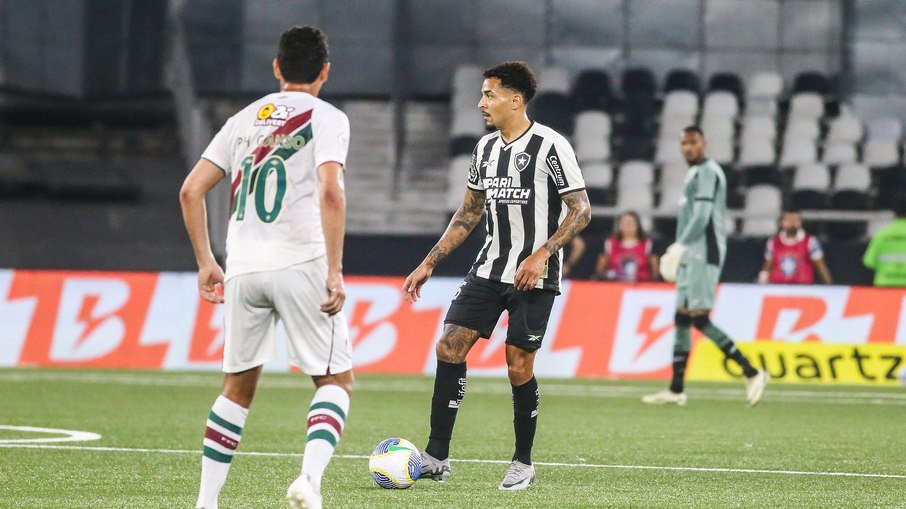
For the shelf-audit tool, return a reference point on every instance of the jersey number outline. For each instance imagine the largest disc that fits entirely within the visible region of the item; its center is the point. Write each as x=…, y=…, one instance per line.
x=273, y=164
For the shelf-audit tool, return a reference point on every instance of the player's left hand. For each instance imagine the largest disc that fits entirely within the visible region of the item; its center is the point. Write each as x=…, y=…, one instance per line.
x=336, y=294
x=529, y=271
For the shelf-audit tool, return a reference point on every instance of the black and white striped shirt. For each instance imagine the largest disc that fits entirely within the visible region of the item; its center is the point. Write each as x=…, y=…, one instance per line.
x=523, y=181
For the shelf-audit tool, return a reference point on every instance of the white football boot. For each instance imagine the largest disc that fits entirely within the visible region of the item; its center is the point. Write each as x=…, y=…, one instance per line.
x=435, y=469
x=302, y=495
x=665, y=397
x=755, y=387
x=518, y=477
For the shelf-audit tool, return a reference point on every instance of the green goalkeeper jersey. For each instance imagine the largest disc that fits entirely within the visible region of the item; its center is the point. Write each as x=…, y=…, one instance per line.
x=701, y=225
x=886, y=254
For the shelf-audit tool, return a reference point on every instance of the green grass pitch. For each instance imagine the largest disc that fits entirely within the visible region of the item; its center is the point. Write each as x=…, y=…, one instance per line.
x=597, y=444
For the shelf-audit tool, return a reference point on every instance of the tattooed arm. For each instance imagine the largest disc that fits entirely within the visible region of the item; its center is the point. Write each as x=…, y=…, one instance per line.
x=461, y=225
x=577, y=218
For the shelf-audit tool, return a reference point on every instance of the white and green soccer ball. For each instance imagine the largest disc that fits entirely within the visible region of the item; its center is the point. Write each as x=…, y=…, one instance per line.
x=395, y=464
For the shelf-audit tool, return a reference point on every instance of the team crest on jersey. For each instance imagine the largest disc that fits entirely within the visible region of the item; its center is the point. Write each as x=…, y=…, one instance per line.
x=521, y=161
x=273, y=114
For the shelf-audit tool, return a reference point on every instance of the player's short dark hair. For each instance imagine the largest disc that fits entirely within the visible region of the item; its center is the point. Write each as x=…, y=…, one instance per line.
x=694, y=129
x=791, y=210
x=516, y=76
x=302, y=53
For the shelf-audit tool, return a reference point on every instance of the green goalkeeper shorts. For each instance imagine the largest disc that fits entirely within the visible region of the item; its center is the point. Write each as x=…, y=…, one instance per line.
x=695, y=285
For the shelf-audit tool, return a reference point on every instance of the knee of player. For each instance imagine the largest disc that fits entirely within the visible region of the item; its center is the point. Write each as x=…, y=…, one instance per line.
x=682, y=320
x=519, y=373
x=701, y=322
x=447, y=352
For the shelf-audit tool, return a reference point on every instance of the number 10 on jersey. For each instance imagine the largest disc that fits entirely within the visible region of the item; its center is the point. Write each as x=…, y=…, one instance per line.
x=258, y=181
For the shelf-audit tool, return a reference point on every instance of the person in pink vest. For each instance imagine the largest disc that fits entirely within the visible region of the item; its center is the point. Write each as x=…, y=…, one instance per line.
x=627, y=253
x=792, y=255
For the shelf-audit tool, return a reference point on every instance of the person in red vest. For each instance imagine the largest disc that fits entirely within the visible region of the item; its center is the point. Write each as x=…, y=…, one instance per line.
x=792, y=255
x=627, y=253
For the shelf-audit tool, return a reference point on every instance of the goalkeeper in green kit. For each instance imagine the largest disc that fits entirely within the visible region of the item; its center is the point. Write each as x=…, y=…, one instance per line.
x=694, y=261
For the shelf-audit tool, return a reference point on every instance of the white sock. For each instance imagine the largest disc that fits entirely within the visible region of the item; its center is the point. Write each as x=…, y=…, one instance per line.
x=326, y=418
x=221, y=437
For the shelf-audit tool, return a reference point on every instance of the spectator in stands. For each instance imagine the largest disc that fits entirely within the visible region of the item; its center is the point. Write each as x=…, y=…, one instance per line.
x=627, y=253
x=790, y=255
x=576, y=250
x=886, y=253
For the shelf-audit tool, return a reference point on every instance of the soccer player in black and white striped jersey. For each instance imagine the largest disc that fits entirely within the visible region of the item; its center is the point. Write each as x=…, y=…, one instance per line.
x=525, y=179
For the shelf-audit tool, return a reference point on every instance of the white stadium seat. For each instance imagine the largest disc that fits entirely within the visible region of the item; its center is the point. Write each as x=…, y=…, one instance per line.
x=840, y=152
x=720, y=103
x=756, y=152
x=845, y=128
x=853, y=177
x=880, y=154
x=763, y=205
x=598, y=175
x=807, y=105
x=798, y=151
x=765, y=84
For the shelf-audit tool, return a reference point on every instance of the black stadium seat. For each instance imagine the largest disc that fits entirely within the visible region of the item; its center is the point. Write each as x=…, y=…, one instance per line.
x=682, y=79
x=728, y=82
x=462, y=145
x=811, y=81
x=553, y=110
x=638, y=81
x=591, y=91
x=809, y=199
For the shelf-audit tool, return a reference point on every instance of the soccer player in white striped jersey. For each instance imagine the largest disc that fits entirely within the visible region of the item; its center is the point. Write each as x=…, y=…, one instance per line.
x=525, y=177
x=285, y=155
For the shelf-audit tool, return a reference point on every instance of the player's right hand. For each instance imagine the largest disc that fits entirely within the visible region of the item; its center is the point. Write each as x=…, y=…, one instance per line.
x=210, y=283
x=413, y=284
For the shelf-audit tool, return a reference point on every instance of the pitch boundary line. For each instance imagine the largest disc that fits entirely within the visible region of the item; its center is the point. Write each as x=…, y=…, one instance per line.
x=495, y=462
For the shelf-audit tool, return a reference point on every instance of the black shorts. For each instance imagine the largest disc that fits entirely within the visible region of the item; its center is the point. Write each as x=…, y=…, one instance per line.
x=479, y=302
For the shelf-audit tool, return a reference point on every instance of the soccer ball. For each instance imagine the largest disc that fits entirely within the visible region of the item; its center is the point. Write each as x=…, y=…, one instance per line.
x=395, y=464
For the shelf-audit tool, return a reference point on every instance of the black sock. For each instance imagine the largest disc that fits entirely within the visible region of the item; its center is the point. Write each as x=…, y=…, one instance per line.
x=732, y=352
x=449, y=389
x=679, y=371
x=526, y=400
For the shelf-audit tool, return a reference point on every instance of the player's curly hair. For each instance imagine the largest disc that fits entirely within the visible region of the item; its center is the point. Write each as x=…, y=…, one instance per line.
x=302, y=53
x=516, y=76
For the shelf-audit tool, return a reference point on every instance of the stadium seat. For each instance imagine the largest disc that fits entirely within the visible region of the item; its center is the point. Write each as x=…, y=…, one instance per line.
x=762, y=174
x=811, y=183
x=673, y=173
x=467, y=78
x=808, y=105
x=850, y=192
x=891, y=186
x=682, y=79
x=756, y=151
x=592, y=90
x=802, y=128
x=764, y=85
x=759, y=127
x=846, y=128
x=680, y=103
x=638, y=81
x=552, y=109
x=635, y=174
x=462, y=145
x=880, y=154
x=457, y=175
x=811, y=81
x=718, y=126
x=721, y=149
x=553, y=79
x=592, y=136
x=761, y=106
x=763, y=205
x=671, y=193
x=635, y=146
x=668, y=150
x=639, y=199
x=885, y=129
x=728, y=82
x=671, y=127
x=797, y=151
x=467, y=122
x=839, y=152
x=598, y=179
x=720, y=103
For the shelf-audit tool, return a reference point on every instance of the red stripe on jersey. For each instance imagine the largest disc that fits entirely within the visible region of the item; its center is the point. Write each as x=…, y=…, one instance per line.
x=220, y=438
x=322, y=419
x=234, y=187
x=291, y=125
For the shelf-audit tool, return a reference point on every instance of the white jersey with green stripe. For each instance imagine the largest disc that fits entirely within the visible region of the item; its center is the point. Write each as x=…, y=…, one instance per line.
x=271, y=150
x=702, y=221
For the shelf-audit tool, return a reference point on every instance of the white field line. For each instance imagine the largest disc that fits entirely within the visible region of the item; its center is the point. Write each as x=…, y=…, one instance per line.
x=549, y=388
x=496, y=462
